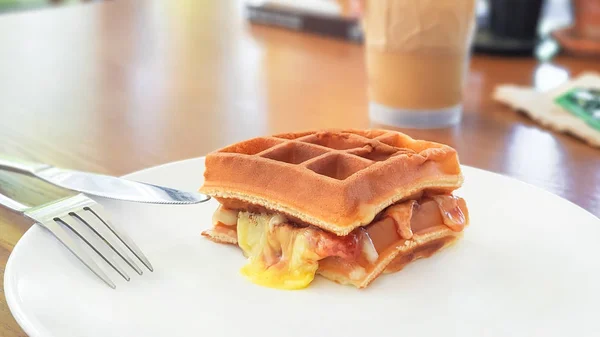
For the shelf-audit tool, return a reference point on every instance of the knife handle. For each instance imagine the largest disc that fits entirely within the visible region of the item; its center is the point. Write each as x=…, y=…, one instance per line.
x=20, y=166
x=12, y=204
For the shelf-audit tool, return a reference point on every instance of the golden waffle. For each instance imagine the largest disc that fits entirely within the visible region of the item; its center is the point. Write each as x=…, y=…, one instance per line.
x=337, y=180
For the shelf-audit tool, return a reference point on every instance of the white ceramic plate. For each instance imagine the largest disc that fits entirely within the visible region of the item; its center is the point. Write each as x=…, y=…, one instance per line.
x=529, y=265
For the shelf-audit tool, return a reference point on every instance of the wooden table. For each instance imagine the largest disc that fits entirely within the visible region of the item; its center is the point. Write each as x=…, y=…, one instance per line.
x=118, y=86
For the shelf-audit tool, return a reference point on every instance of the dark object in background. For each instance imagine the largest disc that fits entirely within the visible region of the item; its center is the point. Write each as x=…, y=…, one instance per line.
x=515, y=18
x=511, y=27
x=306, y=21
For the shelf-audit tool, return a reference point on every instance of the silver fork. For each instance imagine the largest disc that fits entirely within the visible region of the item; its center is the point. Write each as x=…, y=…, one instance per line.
x=76, y=213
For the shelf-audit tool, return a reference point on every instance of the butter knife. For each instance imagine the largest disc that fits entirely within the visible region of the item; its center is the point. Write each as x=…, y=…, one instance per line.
x=102, y=185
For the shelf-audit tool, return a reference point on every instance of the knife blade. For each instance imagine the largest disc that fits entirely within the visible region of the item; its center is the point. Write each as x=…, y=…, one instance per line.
x=102, y=185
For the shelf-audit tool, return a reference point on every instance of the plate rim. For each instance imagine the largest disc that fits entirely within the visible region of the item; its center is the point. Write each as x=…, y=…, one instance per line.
x=29, y=326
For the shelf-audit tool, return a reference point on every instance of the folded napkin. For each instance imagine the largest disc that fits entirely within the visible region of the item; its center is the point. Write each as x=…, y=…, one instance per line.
x=541, y=107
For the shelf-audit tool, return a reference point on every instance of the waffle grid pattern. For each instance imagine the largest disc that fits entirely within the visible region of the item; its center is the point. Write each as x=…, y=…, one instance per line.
x=336, y=156
x=335, y=179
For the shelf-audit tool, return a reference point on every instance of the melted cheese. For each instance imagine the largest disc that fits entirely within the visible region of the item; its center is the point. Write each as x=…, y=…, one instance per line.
x=278, y=256
x=225, y=216
x=281, y=255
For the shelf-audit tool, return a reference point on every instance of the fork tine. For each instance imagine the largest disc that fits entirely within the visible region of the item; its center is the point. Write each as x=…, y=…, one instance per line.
x=62, y=236
x=78, y=229
x=98, y=227
x=99, y=212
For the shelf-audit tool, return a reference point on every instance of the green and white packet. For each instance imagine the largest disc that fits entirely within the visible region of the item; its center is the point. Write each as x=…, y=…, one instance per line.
x=583, y=103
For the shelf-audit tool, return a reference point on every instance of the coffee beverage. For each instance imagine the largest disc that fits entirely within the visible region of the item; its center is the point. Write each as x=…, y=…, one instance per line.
x=417, y=54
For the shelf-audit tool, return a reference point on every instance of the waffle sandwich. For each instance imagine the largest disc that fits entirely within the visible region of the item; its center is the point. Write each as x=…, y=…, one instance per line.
x=346, y=204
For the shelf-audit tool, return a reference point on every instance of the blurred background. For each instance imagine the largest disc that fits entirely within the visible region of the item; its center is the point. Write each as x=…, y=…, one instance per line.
x=553, y=13
x=12, y=5
x=506, y=27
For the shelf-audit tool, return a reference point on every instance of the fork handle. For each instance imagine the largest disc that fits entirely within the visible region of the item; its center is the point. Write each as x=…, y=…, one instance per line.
x=20, y=166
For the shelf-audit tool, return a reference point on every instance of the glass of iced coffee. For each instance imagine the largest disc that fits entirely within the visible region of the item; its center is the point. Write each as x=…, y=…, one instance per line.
x=417, y=54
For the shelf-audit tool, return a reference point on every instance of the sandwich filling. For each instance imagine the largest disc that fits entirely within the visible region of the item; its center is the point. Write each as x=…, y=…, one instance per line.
x=286, y=255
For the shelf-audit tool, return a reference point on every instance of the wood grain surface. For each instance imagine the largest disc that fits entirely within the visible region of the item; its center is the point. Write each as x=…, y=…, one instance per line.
x=118, y=86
